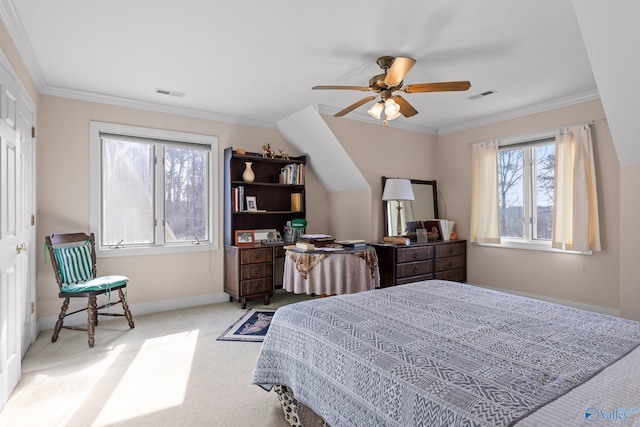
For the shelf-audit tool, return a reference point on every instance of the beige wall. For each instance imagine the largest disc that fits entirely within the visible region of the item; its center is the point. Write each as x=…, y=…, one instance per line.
x=591, y=280
x=63, y=198
x=629, y=232
x=382, y=151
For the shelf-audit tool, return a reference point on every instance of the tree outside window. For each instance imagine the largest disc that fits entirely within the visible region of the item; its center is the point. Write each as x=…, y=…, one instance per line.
x=525, y=186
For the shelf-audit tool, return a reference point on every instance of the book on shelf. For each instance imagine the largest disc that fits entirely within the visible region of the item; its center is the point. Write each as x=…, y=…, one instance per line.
x=292, y=174
x=237, y=199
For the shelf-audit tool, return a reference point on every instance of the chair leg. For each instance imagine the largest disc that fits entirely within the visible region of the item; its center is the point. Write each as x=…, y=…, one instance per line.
x=63, y=312
x=125, y=307
x=91, y=326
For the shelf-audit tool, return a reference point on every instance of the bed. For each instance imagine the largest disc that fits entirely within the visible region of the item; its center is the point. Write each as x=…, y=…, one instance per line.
x=440, y=353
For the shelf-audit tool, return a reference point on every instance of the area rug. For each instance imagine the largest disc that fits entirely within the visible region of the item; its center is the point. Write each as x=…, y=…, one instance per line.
x=252, y=326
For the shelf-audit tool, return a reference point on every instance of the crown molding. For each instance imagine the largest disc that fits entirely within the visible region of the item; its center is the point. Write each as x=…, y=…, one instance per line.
x=521, y=112
x=153, y=106
x=12, y=23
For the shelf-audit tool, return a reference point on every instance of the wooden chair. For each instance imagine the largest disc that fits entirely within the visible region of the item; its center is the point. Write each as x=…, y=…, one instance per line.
x=73, y=257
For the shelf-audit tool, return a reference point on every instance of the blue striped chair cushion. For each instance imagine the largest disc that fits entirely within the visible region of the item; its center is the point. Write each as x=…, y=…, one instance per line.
x=75, y=263
x=98, y=284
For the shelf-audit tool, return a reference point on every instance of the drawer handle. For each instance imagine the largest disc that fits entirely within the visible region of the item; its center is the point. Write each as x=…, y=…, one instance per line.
x=415, y=255
x=450, y=251
x=255, y=285
x=256, y=255
x=450, y=264
x=415, y=268
x=451, y=276
x=257, y=270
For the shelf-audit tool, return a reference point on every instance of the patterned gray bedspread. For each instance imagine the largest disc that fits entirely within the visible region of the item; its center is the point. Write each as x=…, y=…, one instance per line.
x=435, y=353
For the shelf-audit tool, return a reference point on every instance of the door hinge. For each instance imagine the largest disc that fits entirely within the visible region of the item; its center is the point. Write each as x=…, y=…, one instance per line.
x=33, y=308
x=33, y=219
x=33, y=131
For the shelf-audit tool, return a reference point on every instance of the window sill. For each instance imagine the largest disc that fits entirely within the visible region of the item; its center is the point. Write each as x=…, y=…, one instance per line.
x=151, y=250
x=530, y=246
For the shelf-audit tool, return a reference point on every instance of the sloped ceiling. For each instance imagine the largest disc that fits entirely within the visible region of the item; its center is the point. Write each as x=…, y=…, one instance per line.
x=309, y=133
x=611, y=34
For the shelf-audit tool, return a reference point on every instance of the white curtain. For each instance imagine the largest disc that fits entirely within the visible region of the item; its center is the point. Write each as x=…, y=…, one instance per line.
x=575, y=213
x=485, y=223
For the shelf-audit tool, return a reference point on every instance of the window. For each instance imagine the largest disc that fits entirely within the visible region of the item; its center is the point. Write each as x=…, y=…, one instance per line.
x=525, y=191
x=153, y=191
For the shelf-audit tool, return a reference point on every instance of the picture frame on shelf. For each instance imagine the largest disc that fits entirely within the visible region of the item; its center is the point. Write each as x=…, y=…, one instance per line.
x=252, y=205
x=245, y=238
x=267, y=234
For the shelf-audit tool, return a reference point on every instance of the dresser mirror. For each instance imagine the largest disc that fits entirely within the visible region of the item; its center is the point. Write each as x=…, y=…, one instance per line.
x=425, y=206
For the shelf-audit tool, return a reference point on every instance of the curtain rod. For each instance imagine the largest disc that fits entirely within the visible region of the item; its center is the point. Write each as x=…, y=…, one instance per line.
x=538, y=133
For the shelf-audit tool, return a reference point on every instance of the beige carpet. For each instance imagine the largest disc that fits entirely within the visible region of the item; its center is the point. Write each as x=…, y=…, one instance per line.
x=168, y=371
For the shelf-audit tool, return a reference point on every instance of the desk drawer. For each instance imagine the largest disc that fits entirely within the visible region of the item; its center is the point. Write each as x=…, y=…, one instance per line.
x=449, y=263
x=414, y=254
x=257, y=255
x=254, y=271
x=458, y=275
x=256, y=286
x=450, y=249
x=409, y=269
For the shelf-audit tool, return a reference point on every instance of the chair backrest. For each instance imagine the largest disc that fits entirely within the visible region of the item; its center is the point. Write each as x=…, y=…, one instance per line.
x=73, y=257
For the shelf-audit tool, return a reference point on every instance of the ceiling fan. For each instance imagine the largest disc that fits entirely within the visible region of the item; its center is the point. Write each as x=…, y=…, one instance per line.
x=395, y=69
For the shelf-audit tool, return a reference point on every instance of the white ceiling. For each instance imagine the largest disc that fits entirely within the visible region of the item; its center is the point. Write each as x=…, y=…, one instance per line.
x=255, y=61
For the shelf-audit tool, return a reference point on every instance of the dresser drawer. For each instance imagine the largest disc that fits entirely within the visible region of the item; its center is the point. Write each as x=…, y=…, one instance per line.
x=256, y=286
x=413, y=279
x=409, y=269
x=254, y=271
x=257, y=255
x=450, y=249
x=458, y=275
x=414, y=254
x=450, y=263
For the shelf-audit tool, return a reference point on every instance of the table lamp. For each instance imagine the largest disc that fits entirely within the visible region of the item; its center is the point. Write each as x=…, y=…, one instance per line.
x=398, y=189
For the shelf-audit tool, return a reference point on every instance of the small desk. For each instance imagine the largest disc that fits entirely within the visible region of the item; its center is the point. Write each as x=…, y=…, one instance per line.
x=331, y=273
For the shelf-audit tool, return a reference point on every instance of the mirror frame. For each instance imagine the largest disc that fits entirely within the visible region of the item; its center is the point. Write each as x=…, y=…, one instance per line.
x=385, y=203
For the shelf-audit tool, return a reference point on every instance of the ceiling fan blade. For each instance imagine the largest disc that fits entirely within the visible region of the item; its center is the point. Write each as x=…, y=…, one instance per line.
x=406, y=109
x=436, y=87
x=341, y=87
x=398, y=70
x=354, y=106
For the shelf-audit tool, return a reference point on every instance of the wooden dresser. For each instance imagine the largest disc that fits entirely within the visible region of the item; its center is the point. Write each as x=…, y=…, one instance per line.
x=422, y=261
x=250, y=273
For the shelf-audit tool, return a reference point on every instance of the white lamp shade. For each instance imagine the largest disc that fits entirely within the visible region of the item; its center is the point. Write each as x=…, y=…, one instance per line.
x=391, y=108
x=375, y=110
x=393, y=115
x=397, y=189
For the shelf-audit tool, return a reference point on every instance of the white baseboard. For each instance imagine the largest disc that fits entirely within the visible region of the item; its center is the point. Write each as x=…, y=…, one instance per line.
x=79, y=319
x=573, y=304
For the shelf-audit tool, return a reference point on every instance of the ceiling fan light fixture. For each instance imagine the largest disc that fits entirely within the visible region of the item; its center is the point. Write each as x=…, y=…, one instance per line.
x=391, y=109
x=376, y=110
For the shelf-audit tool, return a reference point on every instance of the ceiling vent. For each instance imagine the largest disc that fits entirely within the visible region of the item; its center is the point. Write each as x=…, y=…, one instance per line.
x=483, y=94
x=170, y=92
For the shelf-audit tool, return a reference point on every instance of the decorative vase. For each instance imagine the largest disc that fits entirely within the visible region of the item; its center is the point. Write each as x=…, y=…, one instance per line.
x=248, y=175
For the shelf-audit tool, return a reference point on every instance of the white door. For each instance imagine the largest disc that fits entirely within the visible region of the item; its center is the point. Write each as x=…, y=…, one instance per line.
x=14, y=241
x=26, y=223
